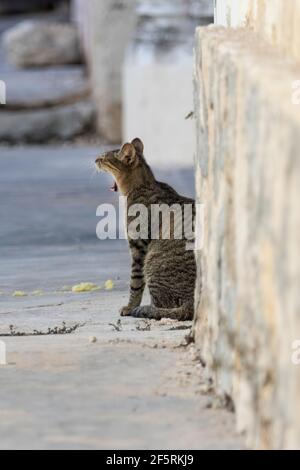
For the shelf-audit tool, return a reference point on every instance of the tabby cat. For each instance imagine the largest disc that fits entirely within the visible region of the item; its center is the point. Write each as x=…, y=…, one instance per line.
x=165, y=265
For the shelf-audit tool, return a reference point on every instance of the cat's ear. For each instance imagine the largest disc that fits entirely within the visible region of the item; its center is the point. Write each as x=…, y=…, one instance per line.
x=128, y=154
x=138, y=145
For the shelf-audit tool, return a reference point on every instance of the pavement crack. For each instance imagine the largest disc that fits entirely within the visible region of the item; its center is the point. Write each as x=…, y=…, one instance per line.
x=117, y=326
x=62, y=330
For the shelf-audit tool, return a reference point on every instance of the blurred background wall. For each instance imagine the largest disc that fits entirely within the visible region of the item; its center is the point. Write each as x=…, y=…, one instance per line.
x=157, y=84
x=140, y=58
x=113, y=69
x=106, y=29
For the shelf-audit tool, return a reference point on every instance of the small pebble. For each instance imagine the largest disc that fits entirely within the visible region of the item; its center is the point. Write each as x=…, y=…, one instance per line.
x=92, y=339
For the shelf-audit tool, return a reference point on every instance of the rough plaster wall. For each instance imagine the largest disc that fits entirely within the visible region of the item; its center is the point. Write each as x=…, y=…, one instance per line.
x=275, y=20
x=248, y=177
x=231, y=12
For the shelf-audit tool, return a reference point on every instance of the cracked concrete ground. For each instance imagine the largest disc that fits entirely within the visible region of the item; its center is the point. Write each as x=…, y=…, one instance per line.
x=105, y=386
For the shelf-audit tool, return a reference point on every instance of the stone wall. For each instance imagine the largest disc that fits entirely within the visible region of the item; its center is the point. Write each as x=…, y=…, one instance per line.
x=277, y=21
x=248, y=178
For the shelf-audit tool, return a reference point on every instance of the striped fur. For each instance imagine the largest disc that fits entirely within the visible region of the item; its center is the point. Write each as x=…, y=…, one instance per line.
x=165, y=266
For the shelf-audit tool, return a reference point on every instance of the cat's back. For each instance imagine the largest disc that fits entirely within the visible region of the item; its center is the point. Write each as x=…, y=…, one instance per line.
x=159, y=193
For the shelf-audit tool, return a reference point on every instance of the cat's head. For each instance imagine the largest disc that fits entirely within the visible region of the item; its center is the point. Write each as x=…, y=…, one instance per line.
x=127, y=166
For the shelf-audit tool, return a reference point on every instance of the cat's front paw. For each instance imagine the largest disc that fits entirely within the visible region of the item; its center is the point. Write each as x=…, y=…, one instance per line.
x=147, y=311
x=126, y=311
x=137, y=312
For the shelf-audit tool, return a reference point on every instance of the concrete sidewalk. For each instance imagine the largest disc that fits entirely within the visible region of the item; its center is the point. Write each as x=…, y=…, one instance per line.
x=132, y=389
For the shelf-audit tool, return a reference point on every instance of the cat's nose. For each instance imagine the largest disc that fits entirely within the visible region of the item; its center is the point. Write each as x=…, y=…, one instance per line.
x=99, y=160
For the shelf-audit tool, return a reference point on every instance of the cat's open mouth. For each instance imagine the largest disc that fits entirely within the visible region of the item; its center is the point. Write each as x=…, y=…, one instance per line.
x=114, y=187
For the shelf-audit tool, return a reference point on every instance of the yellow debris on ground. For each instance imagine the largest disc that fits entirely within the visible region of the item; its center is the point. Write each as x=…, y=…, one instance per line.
x=85, y=287
x=19, y=293
x=109, y=285
x=37, y=293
